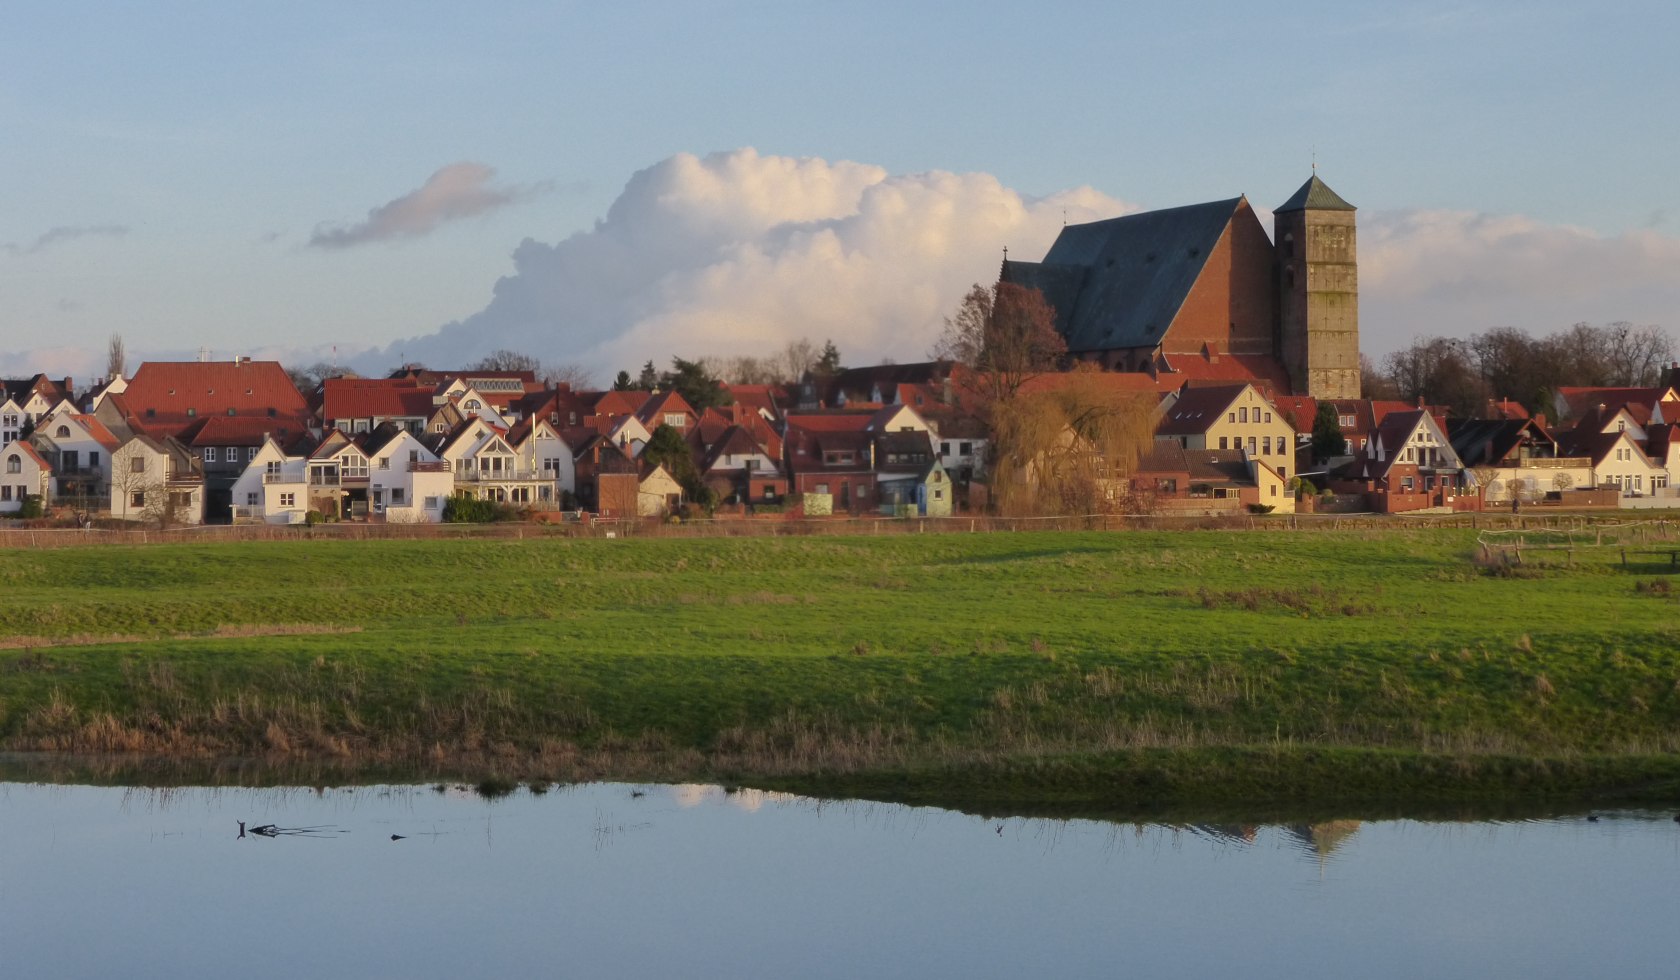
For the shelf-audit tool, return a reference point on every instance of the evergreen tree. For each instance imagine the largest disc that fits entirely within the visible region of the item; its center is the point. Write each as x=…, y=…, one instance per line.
x=648, y=379
x=828, y=365
x=1327, y=438
x=696, y=384
x=623, y=382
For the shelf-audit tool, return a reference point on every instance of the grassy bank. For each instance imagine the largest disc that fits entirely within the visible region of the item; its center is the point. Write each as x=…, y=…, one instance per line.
x=1172, y=666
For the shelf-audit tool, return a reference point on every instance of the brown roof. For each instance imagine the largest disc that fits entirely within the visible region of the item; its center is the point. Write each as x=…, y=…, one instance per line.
x=1197, y=408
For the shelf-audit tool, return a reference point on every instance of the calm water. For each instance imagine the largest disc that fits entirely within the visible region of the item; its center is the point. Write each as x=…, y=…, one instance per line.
x=620, y=881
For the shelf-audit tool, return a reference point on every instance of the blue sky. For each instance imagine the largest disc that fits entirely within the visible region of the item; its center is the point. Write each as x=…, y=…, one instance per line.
x=169, y=165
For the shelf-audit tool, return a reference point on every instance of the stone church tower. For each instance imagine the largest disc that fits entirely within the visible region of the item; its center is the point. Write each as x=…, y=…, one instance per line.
x=1318, y=292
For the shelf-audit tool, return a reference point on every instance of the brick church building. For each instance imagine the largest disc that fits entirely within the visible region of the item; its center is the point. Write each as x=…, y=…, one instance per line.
x=1200, y=293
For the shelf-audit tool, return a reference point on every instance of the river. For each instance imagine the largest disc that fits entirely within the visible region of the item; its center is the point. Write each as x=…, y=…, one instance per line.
x=615, y=880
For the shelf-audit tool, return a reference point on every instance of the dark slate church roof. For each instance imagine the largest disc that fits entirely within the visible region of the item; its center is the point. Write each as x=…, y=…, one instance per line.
x=1119, y=283
x=1315, y=195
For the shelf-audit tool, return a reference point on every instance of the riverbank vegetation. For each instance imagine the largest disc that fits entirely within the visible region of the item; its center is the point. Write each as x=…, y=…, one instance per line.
x=1081, y=667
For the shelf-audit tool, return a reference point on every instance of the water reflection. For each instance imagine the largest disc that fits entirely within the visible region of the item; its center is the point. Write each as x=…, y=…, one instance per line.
x=638, y=880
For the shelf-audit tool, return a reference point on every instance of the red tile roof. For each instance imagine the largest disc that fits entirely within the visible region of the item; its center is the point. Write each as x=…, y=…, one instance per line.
x=381, y=398
x=168, y=396
x=222, y=430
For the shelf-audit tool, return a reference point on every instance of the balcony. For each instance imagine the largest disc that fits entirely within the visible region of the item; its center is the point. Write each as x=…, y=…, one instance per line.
x=504, y=476
x=281, y=478
x=438, y=467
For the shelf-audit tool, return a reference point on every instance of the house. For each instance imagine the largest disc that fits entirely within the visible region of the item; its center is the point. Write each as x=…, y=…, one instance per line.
x=169, y=397
x=487, y=467
x=407, y=482
x=358, y=405
x=79, y=448
x=274, y=486
x=543, y=449
x=24, y=473
x=34, y=397
x=1618, y=460
x=1516, y=458
x=741, y=468
x=13, y=421
x=910, y=480
x=157, y=480
x=831, y=456
x=1658, y=404
x=1206, y=482
x=657, y=493
x=1229, y=417
x=1156, y=290
x=1408, y=463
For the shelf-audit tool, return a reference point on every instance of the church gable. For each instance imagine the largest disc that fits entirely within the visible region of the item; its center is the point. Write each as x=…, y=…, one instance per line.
x=1138, y=271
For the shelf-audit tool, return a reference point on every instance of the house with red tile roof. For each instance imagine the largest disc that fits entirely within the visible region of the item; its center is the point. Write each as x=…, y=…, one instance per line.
x=741, y=469
x=1573, y=403
x=363, y=404
x=169, y=397
x=79, y=448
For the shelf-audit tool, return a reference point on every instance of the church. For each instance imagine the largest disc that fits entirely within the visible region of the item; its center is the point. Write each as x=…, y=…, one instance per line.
x=1200, y=293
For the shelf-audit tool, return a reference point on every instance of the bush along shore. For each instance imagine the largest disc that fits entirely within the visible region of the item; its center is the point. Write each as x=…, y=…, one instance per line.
x=1067, y=670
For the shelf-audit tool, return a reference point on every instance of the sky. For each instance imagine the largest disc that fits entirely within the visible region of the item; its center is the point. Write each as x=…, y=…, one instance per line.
x=601, y=184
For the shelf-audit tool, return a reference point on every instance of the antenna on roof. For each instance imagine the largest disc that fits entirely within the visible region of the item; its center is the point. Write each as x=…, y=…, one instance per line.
x=1315, y=158
x=203, y=354
x=1064, y=217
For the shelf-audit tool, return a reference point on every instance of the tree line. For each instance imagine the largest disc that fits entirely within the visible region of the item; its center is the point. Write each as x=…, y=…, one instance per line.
x=1506, y=362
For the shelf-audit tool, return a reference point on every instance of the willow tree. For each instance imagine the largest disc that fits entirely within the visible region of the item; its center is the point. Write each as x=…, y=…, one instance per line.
x=1061, y=442
x=1067, y=443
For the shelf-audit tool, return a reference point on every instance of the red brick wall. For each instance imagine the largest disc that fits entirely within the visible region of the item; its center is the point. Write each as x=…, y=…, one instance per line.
x=1231, y=305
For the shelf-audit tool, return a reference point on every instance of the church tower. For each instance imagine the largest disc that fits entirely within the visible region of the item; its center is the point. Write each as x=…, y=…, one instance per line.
x=1318, y=291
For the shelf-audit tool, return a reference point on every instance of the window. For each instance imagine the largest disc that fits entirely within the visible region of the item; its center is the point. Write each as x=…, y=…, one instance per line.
x=1242, y=415
x=1224, y=443
x=5, y=491
x=397, y=495
x=250, y=453
x=472, y=405
x=966, y=448
x=414, y=456
x=431, y=503
x=945, y=449
x=1231, y=417
x=1266, y=445
x=137, y=464
x=93, y=461
x=192, y=413
x=288, y=500
x=209, y=454
x=252, y=499
x=14, y=465
x=1251, y=442
x=676, y=420
x=137, y=498
x=272, y=467
x=1268, y=417
x=63, y=432
x=384, y=462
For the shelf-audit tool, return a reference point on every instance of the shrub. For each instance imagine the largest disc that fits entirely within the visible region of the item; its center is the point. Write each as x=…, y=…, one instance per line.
x=462, y=509
x=1261, y=508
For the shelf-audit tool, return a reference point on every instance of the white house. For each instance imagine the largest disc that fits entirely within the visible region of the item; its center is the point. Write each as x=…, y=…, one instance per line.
x=544, y=450
x=486, y=466
x=79, y=447
x=407, y=482
x=12, y=420
x=156, y=480
x=23, y=473
x=273, y=487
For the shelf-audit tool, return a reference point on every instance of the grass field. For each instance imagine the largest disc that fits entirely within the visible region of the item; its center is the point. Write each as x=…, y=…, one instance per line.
x=1152, y=666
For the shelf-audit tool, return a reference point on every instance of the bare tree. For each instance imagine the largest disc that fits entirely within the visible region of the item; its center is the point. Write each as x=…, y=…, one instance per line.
x=574, y=376
x=116, y=358
x=507, y=360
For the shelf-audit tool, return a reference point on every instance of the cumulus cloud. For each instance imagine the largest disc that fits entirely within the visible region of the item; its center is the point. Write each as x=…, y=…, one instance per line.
x=1453, y=273
x=739, y=252
x=65, y=233
x=456, y=192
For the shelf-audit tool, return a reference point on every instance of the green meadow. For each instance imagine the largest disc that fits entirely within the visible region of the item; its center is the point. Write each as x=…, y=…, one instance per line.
x=1083, y=667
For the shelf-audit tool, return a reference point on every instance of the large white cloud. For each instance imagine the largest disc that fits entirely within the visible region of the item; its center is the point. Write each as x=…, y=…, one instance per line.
x=1454, y=273
x=740, y=252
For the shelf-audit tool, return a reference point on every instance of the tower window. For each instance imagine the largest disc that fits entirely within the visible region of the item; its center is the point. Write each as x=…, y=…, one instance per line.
x=1289, y=246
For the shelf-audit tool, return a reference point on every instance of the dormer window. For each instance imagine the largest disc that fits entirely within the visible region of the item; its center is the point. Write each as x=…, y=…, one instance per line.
x=63, y=432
